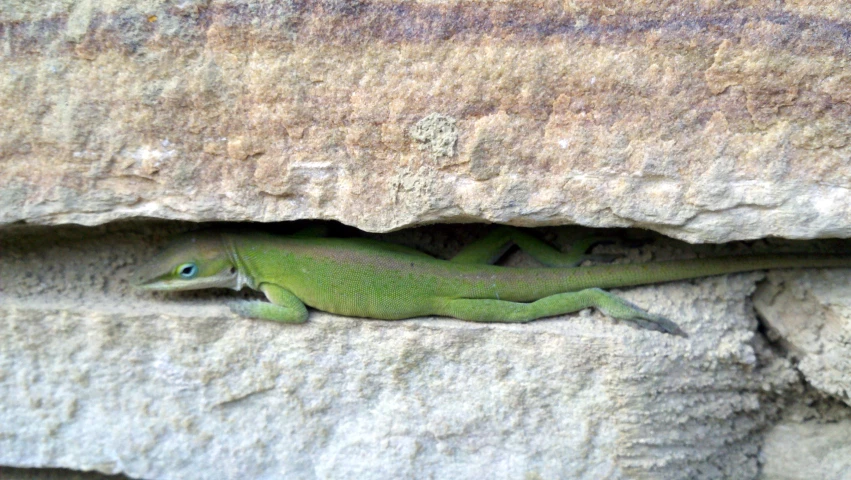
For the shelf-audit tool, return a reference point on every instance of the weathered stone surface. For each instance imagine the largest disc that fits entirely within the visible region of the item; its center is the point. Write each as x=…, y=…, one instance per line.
x=809, y=447
x=94, y=375
x=803, y=451
x=808, y=314
x=811, y=313
x=704, y=120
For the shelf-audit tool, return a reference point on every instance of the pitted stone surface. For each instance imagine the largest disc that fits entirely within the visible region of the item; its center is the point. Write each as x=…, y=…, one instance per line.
x=707, y=121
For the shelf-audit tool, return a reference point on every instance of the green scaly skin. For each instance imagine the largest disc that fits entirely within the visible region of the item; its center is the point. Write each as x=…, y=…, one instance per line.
x=366, y=278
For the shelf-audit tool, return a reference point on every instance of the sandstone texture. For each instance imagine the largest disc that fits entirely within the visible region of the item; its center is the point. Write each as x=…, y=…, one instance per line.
x=705, y=120
x=97, y=376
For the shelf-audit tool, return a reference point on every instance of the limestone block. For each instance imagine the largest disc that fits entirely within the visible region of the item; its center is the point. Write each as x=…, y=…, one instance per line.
x=95, y=375
x=704, y=120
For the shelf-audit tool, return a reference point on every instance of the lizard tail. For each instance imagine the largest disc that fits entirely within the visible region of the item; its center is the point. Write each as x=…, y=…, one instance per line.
x=625, y=275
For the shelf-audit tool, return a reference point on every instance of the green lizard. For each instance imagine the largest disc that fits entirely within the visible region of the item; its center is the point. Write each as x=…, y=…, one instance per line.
x=367, y=278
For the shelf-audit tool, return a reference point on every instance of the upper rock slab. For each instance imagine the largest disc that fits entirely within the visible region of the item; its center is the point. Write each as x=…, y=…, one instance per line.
x=707, y=121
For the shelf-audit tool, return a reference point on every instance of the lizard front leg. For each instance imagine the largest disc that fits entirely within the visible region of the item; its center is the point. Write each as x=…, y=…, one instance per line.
x=284, y=307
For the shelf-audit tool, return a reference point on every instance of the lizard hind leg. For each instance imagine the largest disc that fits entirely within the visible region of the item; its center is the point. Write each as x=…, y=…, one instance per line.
x=501, y=311
x=491, y=247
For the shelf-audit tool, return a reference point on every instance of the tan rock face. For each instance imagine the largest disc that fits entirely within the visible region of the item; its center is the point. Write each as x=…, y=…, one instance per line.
x=704, y=120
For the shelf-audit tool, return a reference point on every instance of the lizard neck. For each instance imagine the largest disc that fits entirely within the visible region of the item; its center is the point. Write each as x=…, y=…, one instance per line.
x=244, y=276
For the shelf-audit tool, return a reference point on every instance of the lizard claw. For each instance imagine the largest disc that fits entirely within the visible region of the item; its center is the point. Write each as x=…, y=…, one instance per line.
x=660, y=324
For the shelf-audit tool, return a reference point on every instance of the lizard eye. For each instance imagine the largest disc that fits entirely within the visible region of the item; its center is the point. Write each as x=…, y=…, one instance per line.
x=187, y=270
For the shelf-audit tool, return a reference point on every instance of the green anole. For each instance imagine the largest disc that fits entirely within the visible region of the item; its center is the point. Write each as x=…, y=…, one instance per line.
x=367, y=278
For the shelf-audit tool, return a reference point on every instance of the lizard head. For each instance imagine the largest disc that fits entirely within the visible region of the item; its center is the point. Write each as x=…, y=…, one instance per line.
x=193, y=261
